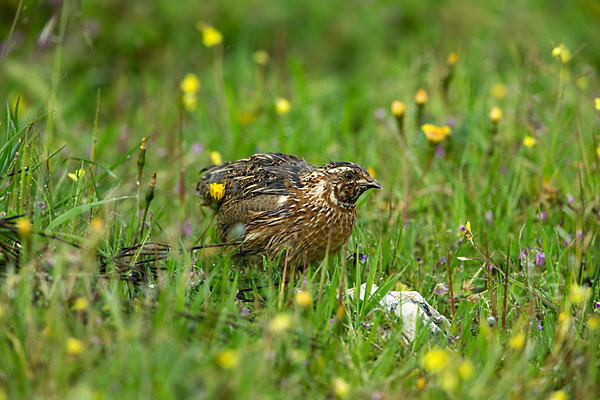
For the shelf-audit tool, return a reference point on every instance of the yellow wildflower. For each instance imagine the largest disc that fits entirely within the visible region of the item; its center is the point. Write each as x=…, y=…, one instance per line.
x=562, y=53
x=597, y=100
x=210, y=36
x=303, y=299
x=598, y=151
x=216, y=158
x=517, y=341
x=452, y=57
x=529, y=141
x=341, y=388
x=435, y=134
x=24, y=227
x=79, y=173
x=261, y=57
x=436, y=360
x=217, y=191
x=465, y=369
x=81, y=304
x=282, y=106
x=228, y=359
x=280, y=323
x=97, y=225
x=421, y=382
x=190, y=84
x=579, y=294
x=371, y=171
x=398, y=108
x=593, y=322
x=421, y=97
x=495, y=114
x=74, y=346
x=564, y=322
x=558, y=395
x=498, y=91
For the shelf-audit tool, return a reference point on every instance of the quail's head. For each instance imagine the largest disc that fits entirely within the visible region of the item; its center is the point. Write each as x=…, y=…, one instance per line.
x=349, y=182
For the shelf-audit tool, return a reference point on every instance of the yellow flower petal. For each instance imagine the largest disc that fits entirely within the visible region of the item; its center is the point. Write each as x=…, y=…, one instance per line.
x=421, y=97
x=280, y=323
x=529, y=141
x=452, y=57
x=341, y=388
x=495, y=114
x=190, y=83
x=517, y=341
x=465, y=369
x=211, y=37
x=435, y=134
x=217, y=191
x=228, y=359
x=74, y=346
x=597, y=100
x=579, y=294
x=216, y=158
x=303, y=299
x=558, y=395
x=282, y=106
x=498, y=91
x=436, y=360
x=261, y=57
x=398, y=108
x=81, y=304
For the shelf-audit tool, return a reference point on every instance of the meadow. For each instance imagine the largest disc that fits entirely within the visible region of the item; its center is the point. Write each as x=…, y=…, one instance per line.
x=481, y=121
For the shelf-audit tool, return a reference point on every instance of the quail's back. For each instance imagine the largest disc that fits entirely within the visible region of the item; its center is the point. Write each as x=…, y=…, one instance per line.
x=273, y=202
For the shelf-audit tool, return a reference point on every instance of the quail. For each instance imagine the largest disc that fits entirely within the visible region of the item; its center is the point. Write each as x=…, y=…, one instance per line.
x=272, y=204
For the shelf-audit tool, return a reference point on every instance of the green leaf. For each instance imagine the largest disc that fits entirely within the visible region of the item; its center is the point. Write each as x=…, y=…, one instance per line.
x=75, y=211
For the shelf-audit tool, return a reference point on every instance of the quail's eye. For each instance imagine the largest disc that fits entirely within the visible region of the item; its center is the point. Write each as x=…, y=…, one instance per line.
x=348, y=175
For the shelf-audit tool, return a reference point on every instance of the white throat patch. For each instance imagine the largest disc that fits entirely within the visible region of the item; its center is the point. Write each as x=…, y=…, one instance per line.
x=342, y=204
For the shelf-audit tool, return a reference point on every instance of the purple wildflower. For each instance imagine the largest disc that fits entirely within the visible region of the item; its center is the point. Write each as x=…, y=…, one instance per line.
x=41, y=205
x=539, y=324
x=597, y=305
x=491, y=267
x=187, y=228
x=540, y=258
x=439, y=151
x=379, y=114
x=367, y=325
x=523, y=254
x=542, y=216
x=566, y=242
x=362, y=257
x=463, y=227
x=451, y=122
x=244, y=312
x=570, y=199
x=331, y=320
x=418, y=259
x=197, y=148
x=489, y=217
x=443, y=260
x=440, y=288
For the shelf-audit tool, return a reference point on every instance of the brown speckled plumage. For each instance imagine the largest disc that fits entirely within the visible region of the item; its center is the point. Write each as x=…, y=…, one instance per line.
x=274, y=201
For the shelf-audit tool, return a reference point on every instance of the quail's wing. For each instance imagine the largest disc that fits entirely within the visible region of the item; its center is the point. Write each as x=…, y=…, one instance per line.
x=260, y=174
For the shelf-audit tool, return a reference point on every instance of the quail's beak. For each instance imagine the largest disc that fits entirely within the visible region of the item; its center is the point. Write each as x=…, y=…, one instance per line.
x=371, y=185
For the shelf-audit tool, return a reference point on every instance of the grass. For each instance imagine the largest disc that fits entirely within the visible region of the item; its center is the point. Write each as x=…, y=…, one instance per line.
x=104, y=288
